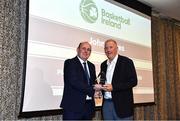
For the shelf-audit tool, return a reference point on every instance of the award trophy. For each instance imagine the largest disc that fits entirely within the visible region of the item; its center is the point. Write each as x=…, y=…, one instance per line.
x=100, y=80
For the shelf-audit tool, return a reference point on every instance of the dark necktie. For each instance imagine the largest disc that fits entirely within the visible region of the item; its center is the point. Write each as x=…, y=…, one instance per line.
x=86, y=72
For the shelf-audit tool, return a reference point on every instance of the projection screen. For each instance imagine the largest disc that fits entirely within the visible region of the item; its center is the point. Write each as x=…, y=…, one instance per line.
x=56, y=27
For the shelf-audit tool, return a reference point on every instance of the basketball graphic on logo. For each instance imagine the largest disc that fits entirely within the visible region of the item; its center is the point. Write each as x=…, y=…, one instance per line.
x=89, y=11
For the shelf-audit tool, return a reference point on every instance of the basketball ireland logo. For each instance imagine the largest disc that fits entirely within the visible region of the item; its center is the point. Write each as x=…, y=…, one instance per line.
x=89, y=11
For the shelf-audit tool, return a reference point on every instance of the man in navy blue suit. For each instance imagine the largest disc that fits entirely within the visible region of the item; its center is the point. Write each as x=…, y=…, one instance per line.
x=120, y=79
x=79, y=78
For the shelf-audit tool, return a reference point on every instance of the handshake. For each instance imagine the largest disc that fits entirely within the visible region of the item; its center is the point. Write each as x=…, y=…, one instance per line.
x=104, y=87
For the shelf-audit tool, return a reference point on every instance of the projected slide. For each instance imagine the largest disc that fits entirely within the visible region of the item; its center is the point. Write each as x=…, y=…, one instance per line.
x=56, y=27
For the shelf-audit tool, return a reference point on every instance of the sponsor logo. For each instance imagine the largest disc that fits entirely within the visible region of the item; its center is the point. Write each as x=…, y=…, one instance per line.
x=89, y=11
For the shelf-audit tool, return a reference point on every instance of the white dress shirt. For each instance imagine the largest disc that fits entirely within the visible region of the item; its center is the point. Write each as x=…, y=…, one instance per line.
x=87, y=97
x=109, y=75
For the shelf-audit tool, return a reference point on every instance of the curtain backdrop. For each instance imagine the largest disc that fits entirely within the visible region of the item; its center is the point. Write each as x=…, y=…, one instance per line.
x=166, y=71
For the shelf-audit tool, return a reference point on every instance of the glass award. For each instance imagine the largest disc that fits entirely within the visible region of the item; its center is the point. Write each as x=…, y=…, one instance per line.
x=100, y=80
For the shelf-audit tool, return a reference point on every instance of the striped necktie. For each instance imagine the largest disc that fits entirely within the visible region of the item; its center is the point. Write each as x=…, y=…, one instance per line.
x=86, y=72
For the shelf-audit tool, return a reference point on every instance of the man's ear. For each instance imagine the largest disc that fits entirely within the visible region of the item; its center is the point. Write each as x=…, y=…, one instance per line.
x=77, y=50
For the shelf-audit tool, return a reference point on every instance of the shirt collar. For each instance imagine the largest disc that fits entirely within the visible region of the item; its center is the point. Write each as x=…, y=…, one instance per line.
x=82, y=61
x=113, y=61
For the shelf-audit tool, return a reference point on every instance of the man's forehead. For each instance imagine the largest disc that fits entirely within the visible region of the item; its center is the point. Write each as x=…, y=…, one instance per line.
x=110, y=43
x=85, y=45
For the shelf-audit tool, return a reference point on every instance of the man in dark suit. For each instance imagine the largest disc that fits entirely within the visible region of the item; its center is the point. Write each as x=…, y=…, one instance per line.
x=79, y=76
x=120, y=79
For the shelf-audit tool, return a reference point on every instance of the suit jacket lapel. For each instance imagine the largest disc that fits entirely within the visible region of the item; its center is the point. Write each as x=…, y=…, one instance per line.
x=80, y=65
x=116, y=68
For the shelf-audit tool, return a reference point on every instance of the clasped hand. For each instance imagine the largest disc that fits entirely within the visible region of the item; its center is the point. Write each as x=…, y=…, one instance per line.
x=105, y=87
